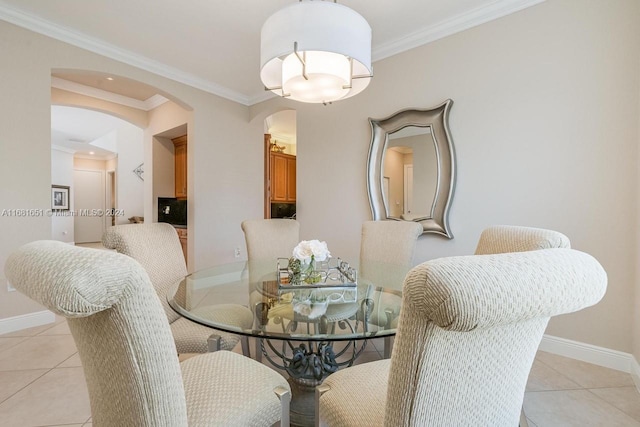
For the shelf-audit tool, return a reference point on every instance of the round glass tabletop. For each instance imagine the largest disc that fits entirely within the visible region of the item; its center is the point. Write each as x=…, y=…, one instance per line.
x=250, y=298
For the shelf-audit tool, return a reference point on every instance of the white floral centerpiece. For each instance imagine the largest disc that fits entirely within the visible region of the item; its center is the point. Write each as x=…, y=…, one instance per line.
x=304, y=257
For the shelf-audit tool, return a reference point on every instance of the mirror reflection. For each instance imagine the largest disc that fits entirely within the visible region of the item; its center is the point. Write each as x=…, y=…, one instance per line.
x=410, y=174
x=411, y=168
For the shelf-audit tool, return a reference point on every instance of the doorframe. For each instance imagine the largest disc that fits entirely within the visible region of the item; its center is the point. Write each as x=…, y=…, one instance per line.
x=407, y=188
x=103, y=174
x=267, y=176
x=111, y=195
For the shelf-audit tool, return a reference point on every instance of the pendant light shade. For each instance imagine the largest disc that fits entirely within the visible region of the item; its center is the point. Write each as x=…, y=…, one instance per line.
x=315, y=51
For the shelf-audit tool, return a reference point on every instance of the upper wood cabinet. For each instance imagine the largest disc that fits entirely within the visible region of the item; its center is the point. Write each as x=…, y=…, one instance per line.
x=180, y=155
x=283, y=177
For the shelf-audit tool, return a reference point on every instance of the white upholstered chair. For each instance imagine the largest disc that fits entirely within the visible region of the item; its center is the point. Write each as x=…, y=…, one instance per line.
x=468, y=332
x=500, y=239
x=385, y=243
x=386, y=255
x=156, y=246
x=127, y=350
x=268, y=239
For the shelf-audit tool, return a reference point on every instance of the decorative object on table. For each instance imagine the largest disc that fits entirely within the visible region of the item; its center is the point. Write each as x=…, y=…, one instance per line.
x=309, y=291
x=60, y=197
x=303, y=260
x=291, y=274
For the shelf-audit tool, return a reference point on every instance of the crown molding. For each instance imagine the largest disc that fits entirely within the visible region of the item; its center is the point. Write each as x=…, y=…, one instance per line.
x=98, y=157
x=287, y=139
x=155, y=101
x=451, y=26
x=147, y=105
x=63, y=149
x=429, y=34
x=78, y=39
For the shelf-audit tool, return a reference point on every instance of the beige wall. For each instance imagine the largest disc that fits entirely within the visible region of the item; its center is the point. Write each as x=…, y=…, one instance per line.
x=219, y=137
x=89, y=164
x=545, y=127
x=545, y=124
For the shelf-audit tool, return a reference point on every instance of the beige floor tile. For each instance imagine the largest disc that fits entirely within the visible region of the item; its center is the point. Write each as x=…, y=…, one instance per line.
x=71, y=362
x=58, y=397
x=585, y=374
x=13, y=381
x=38, y=353
x=569, y=408
x=367, y=356
x=29, y=332
x=531, y=423
x=627, y=399
x=378, y=344
x=6, y=343
x=544, y=378
x=59, y=329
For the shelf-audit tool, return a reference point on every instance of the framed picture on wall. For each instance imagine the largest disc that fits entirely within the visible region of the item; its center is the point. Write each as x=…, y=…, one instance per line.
x=60, y=197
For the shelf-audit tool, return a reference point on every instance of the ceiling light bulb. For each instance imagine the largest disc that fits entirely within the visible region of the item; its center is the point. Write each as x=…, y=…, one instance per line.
x=325, y=79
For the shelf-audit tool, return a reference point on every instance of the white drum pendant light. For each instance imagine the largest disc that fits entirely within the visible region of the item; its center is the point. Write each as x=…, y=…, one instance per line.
x=315, y=51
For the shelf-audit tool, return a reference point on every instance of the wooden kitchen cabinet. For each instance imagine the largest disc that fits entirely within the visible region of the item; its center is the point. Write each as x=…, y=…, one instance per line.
x=180, y=156
x=283, y=178
x=182, y=234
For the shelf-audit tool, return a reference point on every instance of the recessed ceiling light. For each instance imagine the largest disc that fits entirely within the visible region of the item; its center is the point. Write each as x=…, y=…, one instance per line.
x=110, y=79
x=92, y=152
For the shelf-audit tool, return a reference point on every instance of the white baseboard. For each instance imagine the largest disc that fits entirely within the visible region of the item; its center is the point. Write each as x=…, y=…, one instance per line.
x=18, y=323
x=635, y=373
x=600, y=356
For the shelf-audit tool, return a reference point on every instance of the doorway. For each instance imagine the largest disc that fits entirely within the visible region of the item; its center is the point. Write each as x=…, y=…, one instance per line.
x=280, y=149
x=89, y=202
x=110, y=220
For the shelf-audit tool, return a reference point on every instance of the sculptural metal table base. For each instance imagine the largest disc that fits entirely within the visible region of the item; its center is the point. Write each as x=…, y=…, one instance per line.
x=307, y=365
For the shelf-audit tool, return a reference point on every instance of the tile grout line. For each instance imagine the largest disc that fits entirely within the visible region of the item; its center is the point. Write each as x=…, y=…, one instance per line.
x=610, y=404
x=28, y=384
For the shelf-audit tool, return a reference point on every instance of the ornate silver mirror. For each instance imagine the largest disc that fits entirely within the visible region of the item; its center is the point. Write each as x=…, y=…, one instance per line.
x=411, y=168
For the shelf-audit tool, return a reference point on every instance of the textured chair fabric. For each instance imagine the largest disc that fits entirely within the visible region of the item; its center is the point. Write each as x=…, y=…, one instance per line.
x=268, y=239
x=384, y=244
x=507, y=238
x=156, y=246
x=468, y=332
x=386, y=254
x=127, y=350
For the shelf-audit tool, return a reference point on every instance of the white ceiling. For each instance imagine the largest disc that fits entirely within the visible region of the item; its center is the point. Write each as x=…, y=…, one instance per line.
x=215, y=45
x=74, y=129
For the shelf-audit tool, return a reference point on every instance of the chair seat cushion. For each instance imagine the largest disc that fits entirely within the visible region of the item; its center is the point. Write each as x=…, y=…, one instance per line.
x=191, y=337
x=228, y=389
x=357, y=396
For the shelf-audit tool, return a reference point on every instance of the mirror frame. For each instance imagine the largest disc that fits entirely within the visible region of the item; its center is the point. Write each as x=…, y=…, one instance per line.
x=438, y=120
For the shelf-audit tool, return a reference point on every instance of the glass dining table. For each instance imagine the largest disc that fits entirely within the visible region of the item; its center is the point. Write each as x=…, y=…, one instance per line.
x=308, y=332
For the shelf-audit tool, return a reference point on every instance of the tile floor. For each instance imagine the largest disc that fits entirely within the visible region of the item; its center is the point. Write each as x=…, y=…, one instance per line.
x=42, y=384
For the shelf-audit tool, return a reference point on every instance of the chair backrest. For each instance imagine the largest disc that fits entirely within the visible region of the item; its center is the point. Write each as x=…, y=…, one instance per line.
x=507, y=238
x=469, y=330
x=156, y=246
x=268, y=239
x=384, y=245
x=125, y=344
